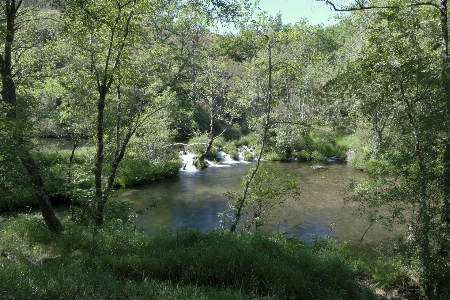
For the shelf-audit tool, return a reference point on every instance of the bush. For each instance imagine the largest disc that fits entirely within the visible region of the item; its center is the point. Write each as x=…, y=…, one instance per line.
x=198, y=144
x=312, y=145
x=227, y=146
x=273, y=156
x=15, y=190
x=248, y=156
x=302, y=155
x=250, y=140
x=138, y=170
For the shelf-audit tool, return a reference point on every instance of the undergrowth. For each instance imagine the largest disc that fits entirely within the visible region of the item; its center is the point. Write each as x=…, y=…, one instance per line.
x=120, y=261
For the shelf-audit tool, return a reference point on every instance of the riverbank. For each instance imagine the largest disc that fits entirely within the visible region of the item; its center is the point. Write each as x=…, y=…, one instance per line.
x=121, y=261
x=67, y=174
x=68, y=178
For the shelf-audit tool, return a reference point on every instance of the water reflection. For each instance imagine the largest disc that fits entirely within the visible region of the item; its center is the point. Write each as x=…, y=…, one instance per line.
x=194, y=199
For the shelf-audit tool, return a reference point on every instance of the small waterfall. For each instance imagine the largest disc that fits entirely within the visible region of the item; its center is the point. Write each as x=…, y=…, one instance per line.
x=242, y=150
x=223, y=159
x=187, y=161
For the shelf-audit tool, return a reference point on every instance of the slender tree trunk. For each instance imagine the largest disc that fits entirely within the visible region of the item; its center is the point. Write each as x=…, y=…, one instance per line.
x=98, y=164
x=424, y=211
x=119, y=151
x=118, y=155
x=9, y=98
x=241, y=201
x=104, y=81
x=211, y=135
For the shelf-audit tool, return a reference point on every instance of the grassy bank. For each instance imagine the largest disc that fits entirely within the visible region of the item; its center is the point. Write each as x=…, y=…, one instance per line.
x=122, y=262
x=313, y=145
x=65, y=180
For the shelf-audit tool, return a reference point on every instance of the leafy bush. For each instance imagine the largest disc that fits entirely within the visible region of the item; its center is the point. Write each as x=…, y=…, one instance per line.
x=251, y=140
x=248, y=156
x=134, y=171
x=273, y=156
x=302, y=155
x=198, y=144
x=15, y=190
x=312, y=145
x=227, y=146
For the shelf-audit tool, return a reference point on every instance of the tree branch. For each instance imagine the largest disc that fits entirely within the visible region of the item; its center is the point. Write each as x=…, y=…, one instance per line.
x=360, y=6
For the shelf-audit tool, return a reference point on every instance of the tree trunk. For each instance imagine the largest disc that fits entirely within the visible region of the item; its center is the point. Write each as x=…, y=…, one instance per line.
x=10, y=101
x=211, y=136
x=118, y=155
x=44, y=204
x=98, y=164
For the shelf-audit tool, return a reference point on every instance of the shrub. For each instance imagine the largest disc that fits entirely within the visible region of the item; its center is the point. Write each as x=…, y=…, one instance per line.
x=248, y=156
x=273, y=156
x=250, y=140
x=138, y=170
x=302, y=155
x=198, y=144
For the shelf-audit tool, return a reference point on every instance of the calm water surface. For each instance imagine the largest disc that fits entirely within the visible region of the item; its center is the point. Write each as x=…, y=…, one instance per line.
x=194, y=199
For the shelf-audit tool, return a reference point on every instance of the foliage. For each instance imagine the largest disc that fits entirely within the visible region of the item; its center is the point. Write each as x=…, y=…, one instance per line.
x=198, y=144
x=71, y=182
x=122, y=261
x=251, y=140
x=268, y=193
x=395, y=88
x=135, y=171
x=149, y=74
x=272, y=156
x=15, y=190
x=316, y=145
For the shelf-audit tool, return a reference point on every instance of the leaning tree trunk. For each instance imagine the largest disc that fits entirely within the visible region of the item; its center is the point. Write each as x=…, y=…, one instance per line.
x=10, y=101
x=44, y=203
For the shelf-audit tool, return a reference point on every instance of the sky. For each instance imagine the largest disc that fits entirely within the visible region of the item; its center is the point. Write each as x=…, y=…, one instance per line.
x=293, y=11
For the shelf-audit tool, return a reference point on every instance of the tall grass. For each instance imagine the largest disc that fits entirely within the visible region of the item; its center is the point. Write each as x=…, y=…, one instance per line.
x=121, y=261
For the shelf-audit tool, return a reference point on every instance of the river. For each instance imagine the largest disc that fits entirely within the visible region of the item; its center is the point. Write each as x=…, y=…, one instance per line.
x=194, y=199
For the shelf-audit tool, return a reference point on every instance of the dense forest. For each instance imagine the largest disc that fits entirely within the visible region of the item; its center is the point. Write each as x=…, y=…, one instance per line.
x=102, y=95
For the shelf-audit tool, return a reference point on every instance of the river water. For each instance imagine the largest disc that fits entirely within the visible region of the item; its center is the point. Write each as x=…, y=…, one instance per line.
x=194, y=199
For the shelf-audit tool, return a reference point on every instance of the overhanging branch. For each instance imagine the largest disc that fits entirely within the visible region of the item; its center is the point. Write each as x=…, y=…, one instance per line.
x=359, y=6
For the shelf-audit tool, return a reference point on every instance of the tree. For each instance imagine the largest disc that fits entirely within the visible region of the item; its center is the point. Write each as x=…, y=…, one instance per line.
x=112, y=37
x=104, y=31
x=440, y=7
x=14, y=112
x=263, y=99
x=269, y=191
x=400, y=69
x=212, y=89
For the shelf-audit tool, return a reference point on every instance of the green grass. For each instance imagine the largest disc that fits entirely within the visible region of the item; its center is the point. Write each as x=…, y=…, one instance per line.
x=119, y=261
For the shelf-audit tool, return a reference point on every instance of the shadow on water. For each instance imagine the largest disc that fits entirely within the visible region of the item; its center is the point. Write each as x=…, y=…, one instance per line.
x=194, y=199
